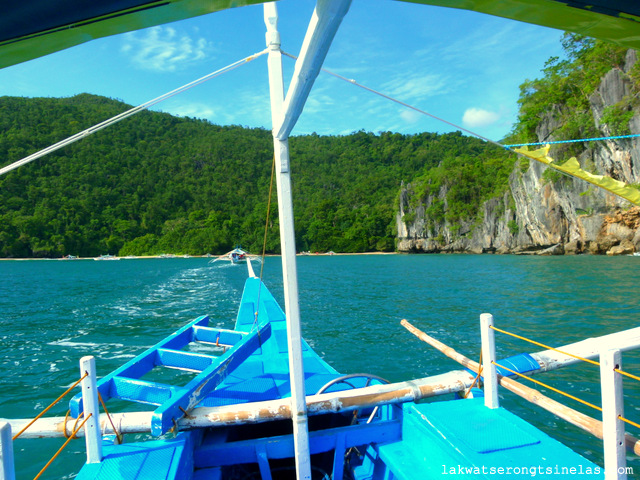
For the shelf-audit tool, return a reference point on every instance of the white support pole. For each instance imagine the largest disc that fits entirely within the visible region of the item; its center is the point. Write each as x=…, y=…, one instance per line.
x=288, y=250
x=488, y=357
x=323, y=26
x=93, y=436
x=7, y=468
x=615, y=455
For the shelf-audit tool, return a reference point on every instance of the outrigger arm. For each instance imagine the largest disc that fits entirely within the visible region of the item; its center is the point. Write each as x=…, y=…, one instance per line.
x=324, y=23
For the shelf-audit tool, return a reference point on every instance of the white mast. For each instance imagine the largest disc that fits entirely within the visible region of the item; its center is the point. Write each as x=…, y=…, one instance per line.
x=288, y=247
x=284, y=113
x=324, y=23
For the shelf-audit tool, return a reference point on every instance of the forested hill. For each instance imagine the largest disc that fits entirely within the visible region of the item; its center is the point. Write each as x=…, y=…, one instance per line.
x=155, y=183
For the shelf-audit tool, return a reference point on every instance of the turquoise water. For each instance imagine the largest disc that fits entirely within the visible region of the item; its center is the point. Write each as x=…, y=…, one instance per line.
x=54, y=312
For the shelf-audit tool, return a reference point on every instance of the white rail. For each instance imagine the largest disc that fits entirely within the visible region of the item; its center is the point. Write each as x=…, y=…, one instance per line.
x=615, y=453
x=615, y=441
x=488, y=361
x=92, y=433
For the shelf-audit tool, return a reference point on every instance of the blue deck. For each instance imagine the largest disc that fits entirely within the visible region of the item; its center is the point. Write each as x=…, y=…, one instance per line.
x=463, y=438
x=435, y=440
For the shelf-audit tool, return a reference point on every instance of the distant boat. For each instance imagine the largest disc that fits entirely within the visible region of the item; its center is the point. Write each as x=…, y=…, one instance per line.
x=237, y=255
x=107, y=257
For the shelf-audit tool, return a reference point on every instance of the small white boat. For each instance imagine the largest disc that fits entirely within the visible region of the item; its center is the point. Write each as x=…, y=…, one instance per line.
x=237, y=255
x=107, y=257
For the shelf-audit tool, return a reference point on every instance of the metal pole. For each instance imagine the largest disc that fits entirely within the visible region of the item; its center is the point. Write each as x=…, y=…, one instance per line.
x=93, y=436
x=488, y=357
x=288, y=250
x=7, y=468
x=615, y=454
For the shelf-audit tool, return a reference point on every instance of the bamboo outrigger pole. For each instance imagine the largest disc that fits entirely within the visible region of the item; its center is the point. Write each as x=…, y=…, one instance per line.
x=572, y=416
x=265, y=411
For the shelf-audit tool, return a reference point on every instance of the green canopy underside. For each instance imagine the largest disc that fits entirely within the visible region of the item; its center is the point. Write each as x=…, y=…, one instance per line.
x=32, y=29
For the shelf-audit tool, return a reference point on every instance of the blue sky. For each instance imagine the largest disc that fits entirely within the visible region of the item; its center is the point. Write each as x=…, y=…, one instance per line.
x=463, y=66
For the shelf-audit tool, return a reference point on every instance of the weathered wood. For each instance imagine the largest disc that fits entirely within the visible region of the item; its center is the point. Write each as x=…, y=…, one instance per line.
x=589, y=348
x=258, y=412
x=568, y=414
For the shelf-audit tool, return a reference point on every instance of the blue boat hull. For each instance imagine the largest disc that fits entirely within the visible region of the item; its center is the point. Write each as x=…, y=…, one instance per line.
x=412, y=441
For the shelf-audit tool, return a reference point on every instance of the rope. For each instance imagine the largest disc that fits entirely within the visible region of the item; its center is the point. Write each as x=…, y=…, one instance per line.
x=626, y=374
x=466, y=394
x=49, y=407
x=55, y=455
x=549, y=387
x=264, y=242
x=629, y=421
x=616, y=137
x=593, y=362
x=104, y=407
x=75, y=424
x=128, y=113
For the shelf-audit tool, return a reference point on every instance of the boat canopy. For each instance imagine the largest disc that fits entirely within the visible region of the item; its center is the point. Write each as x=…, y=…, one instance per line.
x=32, y=29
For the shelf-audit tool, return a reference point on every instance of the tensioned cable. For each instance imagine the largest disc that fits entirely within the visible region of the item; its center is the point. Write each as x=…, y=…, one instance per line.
x=470, y=132
x=354, y=82
x=264, y=242
x=593, y=139
x=128, y=113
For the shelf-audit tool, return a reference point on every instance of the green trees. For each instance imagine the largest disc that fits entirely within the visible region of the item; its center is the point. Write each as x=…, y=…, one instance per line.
x=155, y=184
x=565, y=89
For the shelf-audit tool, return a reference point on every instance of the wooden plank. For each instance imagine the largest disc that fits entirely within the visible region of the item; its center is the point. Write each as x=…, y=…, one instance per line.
x=280, y=447
x=220, y=336
x=270, y=410
x=143, y=363
x=190, y=395
x=141, y=391
x=184, y=360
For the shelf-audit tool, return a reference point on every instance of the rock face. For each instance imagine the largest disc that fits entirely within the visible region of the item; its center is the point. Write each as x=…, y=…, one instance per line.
x=540, y=216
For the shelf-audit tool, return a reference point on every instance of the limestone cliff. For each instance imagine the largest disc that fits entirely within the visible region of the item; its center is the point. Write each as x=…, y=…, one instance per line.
x=543, y=213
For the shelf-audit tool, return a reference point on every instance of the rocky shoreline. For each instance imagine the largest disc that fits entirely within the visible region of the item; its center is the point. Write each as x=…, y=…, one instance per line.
x=542, y=214
x=615, y=234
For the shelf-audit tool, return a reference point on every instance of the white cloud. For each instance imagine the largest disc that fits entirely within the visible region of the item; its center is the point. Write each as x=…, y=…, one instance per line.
x=410, y=116
x=415, y=86
x=478, y=117
x=197, y=110
x=164, y=49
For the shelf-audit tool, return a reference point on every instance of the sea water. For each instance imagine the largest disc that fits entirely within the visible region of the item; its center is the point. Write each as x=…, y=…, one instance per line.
x=54, y=312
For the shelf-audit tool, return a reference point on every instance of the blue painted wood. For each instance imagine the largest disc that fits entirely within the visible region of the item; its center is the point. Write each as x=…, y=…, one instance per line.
x=141, y=364
x=269, y=310
x=263, y=461
x=338, y=457
x=464, y=434
x=278, y=447
x=183, y=360
x=197, y=389
x=140, y=391
x=169, y=459
x=216, y=335
x=125, y=382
